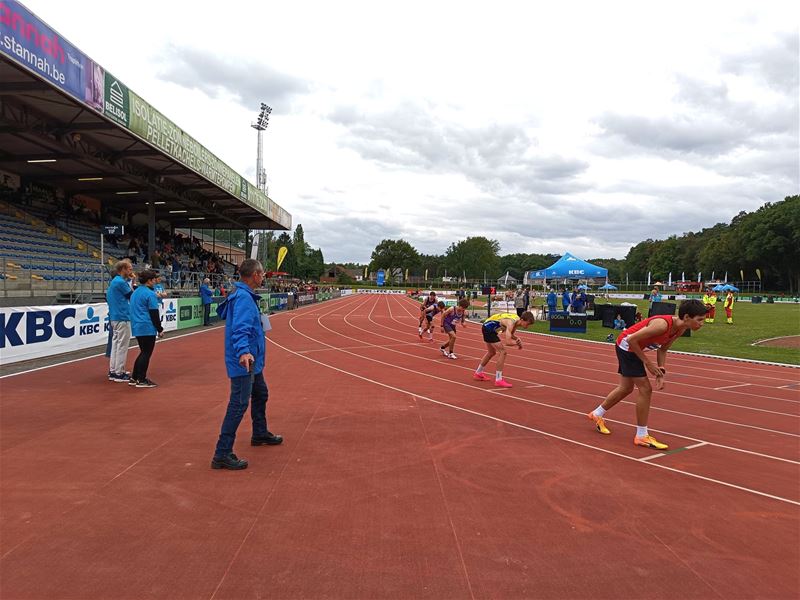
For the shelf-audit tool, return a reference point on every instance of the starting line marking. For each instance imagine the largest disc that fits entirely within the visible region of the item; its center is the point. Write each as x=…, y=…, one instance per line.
x=790, y=386
x=665, y=453
x=728, y=387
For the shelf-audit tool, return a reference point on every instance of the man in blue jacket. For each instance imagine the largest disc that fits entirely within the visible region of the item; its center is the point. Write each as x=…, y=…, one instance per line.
x=245, y=351
x=119, y=319
x=205, y=295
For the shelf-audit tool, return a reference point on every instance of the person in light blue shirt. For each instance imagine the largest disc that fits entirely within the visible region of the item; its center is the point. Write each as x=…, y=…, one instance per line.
x=619, y=323
x=146, y=326
x=245, y=355
x=206, y=293
x=118, y=297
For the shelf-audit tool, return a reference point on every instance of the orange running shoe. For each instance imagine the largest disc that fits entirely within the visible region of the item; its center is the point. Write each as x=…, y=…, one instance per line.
x=481, y=377
x=502, y=383
x=648, y=441
x=599, y=424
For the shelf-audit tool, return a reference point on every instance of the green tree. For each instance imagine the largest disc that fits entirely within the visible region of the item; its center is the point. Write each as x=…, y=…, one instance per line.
x=391, y=254
x=474, y=256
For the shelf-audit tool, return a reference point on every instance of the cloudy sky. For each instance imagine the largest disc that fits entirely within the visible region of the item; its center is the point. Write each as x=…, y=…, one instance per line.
x=582, y=126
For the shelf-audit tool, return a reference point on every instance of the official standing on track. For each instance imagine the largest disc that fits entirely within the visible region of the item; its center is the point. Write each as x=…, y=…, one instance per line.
x=145, y=326
x=119, y=319
x=245, y=353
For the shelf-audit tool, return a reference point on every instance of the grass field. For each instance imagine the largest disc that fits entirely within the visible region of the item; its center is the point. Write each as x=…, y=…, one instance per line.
x=752, y=322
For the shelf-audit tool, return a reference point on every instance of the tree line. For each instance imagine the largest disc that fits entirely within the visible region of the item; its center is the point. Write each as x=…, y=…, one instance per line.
x=767, y=240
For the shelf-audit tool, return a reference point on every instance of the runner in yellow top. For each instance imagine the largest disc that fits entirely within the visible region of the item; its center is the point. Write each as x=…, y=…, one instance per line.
x=506, y=324
x=729, y=300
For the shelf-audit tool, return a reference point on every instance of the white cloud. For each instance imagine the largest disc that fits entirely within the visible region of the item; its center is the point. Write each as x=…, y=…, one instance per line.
x=582, y=127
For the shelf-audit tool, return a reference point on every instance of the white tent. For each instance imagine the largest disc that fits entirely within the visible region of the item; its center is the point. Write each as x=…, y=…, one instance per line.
x=506, y=280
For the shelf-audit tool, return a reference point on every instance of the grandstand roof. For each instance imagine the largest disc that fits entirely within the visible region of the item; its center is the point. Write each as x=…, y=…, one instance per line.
x=41, y=120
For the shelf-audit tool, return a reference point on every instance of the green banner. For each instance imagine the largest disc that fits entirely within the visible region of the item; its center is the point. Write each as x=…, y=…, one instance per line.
x=190, y=312
x=155, y=128
x=116, y=101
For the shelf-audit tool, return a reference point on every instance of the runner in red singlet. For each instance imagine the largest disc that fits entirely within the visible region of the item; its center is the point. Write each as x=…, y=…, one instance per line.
x=656, y=333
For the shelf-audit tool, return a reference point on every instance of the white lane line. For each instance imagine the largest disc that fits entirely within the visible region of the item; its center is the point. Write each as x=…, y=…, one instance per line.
x=728, y=387
x=668, y=452
x=505, y=392
x=544, y=433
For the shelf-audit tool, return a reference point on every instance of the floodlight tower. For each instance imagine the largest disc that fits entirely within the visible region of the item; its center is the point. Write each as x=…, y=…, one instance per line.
x=260, y=125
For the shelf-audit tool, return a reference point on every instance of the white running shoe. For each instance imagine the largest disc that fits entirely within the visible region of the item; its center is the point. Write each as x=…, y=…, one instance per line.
x=443, y=351
x=452, y=356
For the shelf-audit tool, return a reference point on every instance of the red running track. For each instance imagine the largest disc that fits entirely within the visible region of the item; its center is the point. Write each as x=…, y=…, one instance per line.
x=400, y=477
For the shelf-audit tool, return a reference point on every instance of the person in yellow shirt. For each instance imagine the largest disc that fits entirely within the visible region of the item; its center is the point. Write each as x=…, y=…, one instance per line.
x=710, y=301
x=505, y=324
x=729, y=300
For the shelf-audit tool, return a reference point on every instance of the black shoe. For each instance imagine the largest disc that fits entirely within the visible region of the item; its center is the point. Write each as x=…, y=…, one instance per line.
x=146, y=383
x=268, y=440
x=231, y=461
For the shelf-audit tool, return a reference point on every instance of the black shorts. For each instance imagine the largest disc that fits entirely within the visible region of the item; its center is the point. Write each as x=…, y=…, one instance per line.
x=630, y=365
x=490, y=335
x=429, y=317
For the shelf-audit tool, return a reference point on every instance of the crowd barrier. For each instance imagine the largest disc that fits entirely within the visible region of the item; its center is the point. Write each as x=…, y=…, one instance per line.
x=28, y=332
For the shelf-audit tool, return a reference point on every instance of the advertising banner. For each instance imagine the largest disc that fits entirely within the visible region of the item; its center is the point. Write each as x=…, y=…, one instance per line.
x=35, y=331
x=380, y=277
x=168, y=310
x=277, y=301
x=29, y=42
x=371, y=291
x=190, y=311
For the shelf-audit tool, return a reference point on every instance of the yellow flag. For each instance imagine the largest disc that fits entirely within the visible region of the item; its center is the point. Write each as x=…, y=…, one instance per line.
x=282, y=251
x=758, y=272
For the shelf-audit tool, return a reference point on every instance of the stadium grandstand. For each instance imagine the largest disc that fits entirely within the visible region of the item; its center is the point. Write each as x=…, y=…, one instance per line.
x=79, y=153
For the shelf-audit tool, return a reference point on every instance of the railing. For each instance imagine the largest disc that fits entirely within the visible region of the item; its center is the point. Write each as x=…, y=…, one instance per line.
x=34, y=276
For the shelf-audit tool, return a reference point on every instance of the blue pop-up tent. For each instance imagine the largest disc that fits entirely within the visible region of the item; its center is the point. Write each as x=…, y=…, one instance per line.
x=607, y=286
x=719, y=288
x=730, y=287
x=569, y=267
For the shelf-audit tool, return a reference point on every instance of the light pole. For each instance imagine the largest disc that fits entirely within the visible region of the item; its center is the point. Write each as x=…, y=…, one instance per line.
x=261, y=174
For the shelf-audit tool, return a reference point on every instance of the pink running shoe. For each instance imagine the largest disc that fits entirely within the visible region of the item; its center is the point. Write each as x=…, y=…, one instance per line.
x=502, y=383
x=481, y=377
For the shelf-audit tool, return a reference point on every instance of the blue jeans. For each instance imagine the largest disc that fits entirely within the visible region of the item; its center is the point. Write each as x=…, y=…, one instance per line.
x=242, y=389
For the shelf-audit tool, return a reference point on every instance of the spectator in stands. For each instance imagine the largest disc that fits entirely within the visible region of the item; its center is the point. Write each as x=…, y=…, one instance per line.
x=146, y=326
x=155, y=260
x=119, y=316
x=245, y=351
x=206, y=293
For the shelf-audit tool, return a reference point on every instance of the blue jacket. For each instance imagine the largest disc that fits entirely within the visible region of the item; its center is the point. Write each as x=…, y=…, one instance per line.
x=565, y=299
x=243, y=331
x=551, y=299
x=118, y=297
x=143, y=301
x=206, y=293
